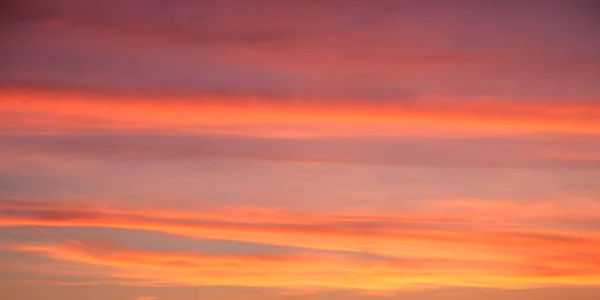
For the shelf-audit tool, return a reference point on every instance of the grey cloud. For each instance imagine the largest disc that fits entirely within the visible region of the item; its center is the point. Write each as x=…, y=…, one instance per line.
x=500, y=152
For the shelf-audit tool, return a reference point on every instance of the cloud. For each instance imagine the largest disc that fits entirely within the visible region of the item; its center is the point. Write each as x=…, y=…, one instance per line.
x=303, y=48
x=503, y=232
x=312, y=270
x=533, y=151
x=67, y=112
x=88, y=85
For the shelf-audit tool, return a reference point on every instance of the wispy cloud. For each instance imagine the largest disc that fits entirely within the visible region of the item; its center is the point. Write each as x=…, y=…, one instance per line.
x=52, y=112
x=384, y=144
x=304, y=48
x=318, y=270
x=533, y=151
x=417, y=247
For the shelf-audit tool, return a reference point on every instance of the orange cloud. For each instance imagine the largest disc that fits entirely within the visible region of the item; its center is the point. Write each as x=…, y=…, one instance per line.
x=61, y=111
x=310, y=270
x=447, y=211
x=494, y=247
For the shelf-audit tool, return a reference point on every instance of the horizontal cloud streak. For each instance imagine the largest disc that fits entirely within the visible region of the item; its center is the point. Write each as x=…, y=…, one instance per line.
x=297, y=270
x=503, y=151
x=439, y=223
x=305, y=145
x=76, y=112
x=420, y=247
x=298, y=48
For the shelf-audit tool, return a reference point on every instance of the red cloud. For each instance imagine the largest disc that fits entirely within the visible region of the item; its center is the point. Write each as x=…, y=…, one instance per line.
x=72, y=112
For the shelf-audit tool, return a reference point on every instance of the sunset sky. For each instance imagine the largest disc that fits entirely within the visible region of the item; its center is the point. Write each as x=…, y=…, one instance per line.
x=300, y=150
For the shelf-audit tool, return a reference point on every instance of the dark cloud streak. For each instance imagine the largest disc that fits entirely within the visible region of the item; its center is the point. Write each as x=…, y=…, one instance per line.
x=518, y=151
x=323, y=48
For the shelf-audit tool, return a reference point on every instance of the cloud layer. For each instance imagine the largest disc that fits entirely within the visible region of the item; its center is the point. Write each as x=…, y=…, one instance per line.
x=465, y=243
x=371, y=146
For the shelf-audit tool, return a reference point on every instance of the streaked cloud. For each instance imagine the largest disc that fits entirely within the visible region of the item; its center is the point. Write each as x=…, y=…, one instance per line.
x=305, y=49
x=314, y=149
x=417, y=247
x=52, y=112
x=533, y=151
x=316, y=270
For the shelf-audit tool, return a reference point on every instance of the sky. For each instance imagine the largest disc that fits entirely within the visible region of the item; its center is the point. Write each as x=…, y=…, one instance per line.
x=300, y=150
